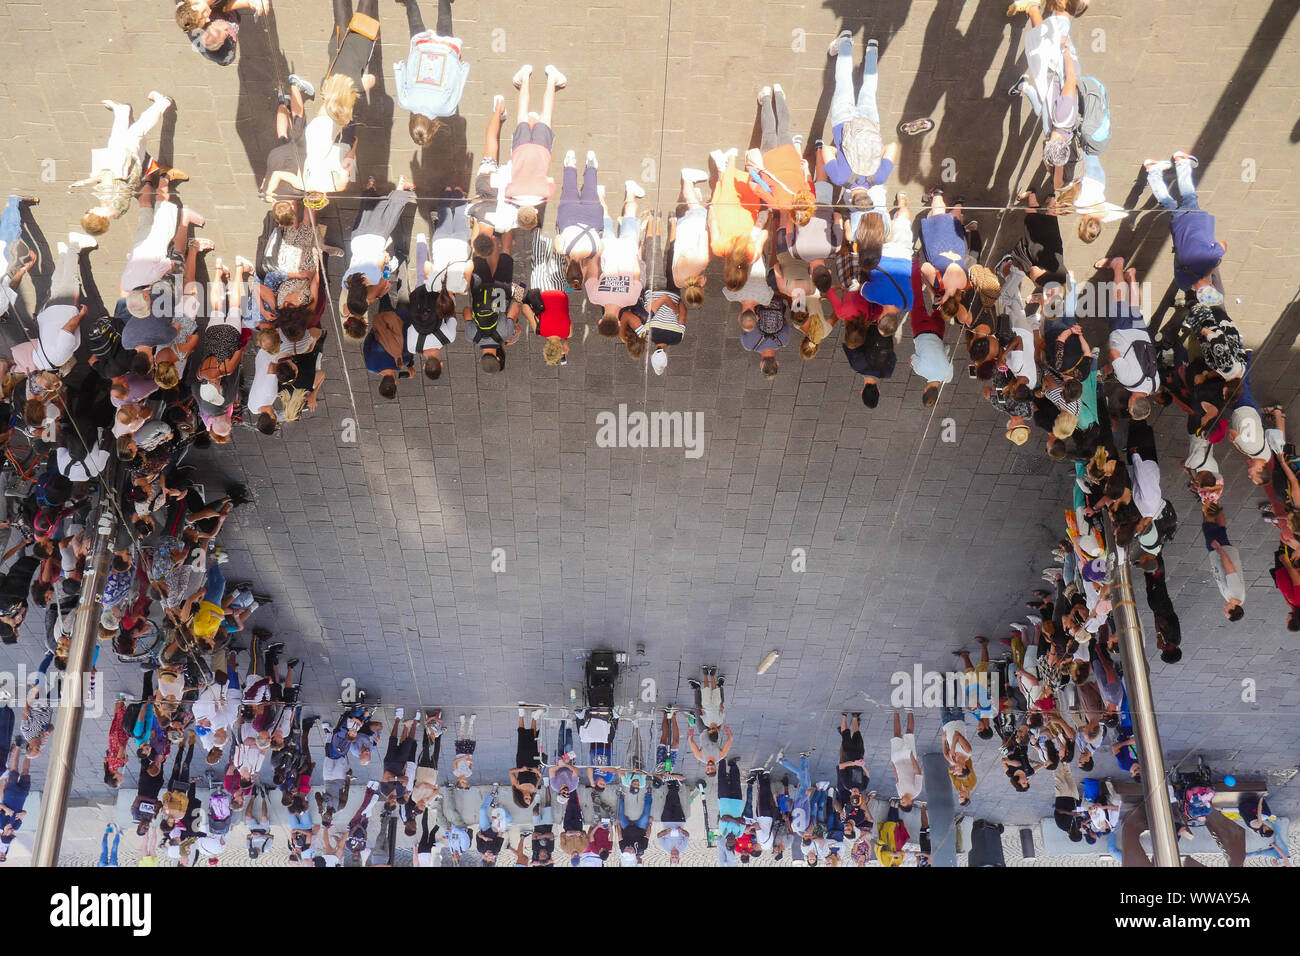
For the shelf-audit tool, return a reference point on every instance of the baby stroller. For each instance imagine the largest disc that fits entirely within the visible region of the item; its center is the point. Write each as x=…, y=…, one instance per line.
x=598, y=721
x=1193, y=793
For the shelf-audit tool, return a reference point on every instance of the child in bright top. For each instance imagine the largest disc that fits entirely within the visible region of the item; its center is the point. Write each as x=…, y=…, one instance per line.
x=431, y=80
x=781, y=169
x=530, y=151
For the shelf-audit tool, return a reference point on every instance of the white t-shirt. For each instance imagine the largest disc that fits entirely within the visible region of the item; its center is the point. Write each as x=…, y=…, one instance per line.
x=1128, y=371
x=415, y=346
x=449, y=257
x=1231, y=586
x=1147, y=496
x=322, y=156
x=265, y=386
x=85, y=469
x=1021, y=361
x=755, y=287
x=56, y=345
x=581, y=241
x=692, y=244
x=901, y=751
x=367, y=253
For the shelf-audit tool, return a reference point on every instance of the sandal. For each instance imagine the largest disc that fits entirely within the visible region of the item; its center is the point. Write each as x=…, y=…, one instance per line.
x=916, y=127
x=202, y=245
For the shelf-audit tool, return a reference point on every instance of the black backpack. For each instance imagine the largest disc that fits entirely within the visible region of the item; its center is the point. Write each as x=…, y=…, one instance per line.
x=1147, y=356
x=1167, y=523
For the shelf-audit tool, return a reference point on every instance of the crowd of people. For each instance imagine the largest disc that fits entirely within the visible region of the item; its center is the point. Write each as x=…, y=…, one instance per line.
x=805, y=237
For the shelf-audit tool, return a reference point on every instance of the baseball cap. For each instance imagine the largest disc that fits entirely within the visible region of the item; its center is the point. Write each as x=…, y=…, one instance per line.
x=659, y=361
x=211, y=394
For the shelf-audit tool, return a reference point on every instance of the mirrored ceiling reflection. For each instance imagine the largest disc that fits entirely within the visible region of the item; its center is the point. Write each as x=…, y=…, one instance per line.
x=745, y=463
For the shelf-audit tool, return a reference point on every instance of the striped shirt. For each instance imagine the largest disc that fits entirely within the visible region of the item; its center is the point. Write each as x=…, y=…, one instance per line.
x=548, y=265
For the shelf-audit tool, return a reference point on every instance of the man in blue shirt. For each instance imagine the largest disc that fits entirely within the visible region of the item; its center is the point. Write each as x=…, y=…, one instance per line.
x=384, y=348
x=858, y=160
x=431, y=80
x=1196, y=252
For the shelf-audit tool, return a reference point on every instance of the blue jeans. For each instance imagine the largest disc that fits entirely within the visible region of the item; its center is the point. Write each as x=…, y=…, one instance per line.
x=485, y=821
x=802, y=772
x=1271, y=852
x=843, y=107
x=1244, y=397
x=452, y=210
x=641, y=821
x=819, y=806
x=11, y=227
x=1186, y=188
x=951, y=714
x=109, y=857
x=627, y=228
x=216, y=585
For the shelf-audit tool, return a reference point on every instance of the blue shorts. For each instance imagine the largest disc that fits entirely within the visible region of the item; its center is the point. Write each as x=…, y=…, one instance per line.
x=1214, y=532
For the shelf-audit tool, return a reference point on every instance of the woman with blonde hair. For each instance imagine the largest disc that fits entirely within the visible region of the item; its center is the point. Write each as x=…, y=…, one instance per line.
x=732, y=219
x=780, y=166
x=688, y=238
x=328, y=165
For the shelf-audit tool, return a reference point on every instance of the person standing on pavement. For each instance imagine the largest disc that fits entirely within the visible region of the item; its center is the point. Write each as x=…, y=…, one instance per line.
x=432, y=78
x=372, y=271
x=1197, y=253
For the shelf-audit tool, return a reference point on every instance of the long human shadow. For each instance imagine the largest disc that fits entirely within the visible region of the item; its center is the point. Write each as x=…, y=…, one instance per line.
x=1144, y=239
x=1275, y=366
x=957, y=56
x=262, y=70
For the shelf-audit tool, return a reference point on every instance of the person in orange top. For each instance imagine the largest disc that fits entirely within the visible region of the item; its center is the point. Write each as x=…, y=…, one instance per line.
x=732, y=216
x=782, y=169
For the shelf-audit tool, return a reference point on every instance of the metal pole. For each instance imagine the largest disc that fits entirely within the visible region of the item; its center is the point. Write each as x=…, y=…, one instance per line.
x=1142, y=709
x=67, y=723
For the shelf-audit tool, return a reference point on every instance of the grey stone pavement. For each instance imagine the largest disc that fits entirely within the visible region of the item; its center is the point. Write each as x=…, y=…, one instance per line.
x=378, y=552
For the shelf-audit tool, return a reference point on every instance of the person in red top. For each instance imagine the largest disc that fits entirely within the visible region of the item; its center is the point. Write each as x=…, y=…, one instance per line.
x=781, y=168
x=530, y=151
x=551, y=322
x=115, y=755
x=1287, y=579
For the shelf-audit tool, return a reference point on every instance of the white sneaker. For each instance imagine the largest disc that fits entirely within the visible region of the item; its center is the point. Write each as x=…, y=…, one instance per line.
x=571, y=159
x=633, y=189
x=561, y=81
x=776, y=88
x=833, y=49
x=798, y=141
x=600, y=190
x=524, y=73
x=591, y=160
x=765, y=93
x=692, y=175
x=539, y=713
x=417, y=716
x=719, y=159
x=399, y=713
x=499, y=103
x=82, y=241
